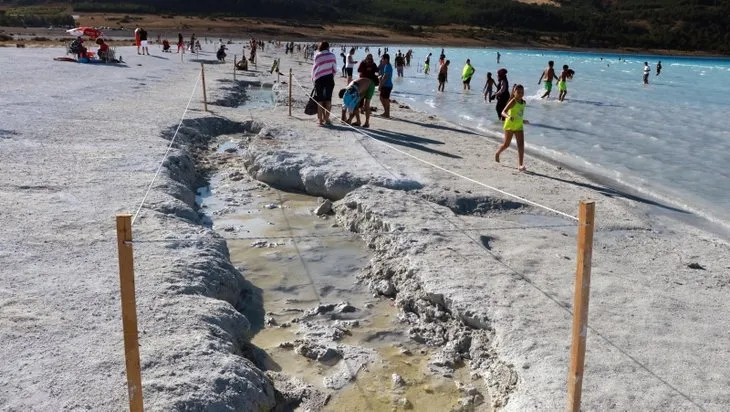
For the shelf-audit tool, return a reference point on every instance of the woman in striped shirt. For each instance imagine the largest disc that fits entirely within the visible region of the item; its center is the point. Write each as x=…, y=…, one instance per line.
x=323, y=76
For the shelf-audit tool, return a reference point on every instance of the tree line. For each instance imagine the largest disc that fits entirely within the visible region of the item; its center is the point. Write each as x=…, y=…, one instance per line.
x=696, y=25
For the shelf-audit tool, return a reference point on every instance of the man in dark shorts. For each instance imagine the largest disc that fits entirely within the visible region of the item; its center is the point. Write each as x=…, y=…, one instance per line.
x=323, y=76
x=369, y=70
x=386, y=84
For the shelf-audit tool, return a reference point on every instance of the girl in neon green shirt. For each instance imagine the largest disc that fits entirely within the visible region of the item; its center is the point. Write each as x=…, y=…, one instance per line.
x=514, y=126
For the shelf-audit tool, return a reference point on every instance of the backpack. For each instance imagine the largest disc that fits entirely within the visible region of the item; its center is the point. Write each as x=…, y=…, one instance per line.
x=311, y=107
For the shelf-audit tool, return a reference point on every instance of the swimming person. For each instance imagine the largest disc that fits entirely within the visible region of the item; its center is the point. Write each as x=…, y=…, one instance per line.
x=514, y=126
x=467, y=74
x=647, y=70
x=502, y=93
x=658, y=68
x=443, y=75
x=548, y=74
x=488, y=87
x=427, y=64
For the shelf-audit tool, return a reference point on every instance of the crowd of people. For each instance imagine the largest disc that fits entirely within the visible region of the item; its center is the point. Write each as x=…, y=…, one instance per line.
x=104, y=53
x=359, y=91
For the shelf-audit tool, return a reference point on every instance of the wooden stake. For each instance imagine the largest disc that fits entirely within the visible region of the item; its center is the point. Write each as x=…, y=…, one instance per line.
x=290, y=81
x=580, y=304
x=205, y=95
x=129, y=311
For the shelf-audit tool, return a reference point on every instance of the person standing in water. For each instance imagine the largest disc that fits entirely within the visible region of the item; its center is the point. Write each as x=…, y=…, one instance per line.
x=443, y=75
x=498, y=56
x=647, y=70
x=514, y=126
x=467, y=74
x=548, y=74
x=502, y=93
x=427, y=64
x=488, y=88
x=658, y=68
x=566, y=74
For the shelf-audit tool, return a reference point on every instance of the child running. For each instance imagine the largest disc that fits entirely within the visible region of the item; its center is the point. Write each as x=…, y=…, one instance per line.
x=427, y=64
x=566, y=74
x=513, y=125
x=488, y=88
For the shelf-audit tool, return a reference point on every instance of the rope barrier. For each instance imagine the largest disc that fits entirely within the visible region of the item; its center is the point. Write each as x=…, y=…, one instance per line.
x=445, y=169
x=169, y=147
x=516, y=272
x=395, y=232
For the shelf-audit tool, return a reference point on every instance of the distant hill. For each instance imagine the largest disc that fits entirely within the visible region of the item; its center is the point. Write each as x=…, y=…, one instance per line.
x=692, y=25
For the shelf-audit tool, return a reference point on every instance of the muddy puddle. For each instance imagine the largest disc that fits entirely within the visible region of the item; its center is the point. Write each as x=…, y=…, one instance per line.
x=306, y=267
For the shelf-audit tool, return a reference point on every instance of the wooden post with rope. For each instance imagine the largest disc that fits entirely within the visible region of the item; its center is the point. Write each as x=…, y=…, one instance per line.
x=129, y=311
x=205, y=95
x=290, y=81
x=234, y=67
x=580, y=304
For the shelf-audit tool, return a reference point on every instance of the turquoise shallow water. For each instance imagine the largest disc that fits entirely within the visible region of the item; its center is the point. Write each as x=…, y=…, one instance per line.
x=670, y=139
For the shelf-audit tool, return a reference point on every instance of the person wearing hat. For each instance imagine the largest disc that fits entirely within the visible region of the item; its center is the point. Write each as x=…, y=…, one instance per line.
x=502, y=94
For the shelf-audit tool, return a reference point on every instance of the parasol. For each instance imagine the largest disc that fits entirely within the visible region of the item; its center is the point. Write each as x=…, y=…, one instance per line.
x=86, y=31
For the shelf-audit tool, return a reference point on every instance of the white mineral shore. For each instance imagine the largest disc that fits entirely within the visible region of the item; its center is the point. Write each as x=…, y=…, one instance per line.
x=493, y=289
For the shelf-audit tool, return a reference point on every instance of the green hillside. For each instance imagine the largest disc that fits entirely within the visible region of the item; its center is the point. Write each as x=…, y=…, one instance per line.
x=693, y=25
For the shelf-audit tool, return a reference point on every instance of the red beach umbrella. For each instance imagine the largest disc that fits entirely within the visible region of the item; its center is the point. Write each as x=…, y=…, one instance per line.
x=86, y=31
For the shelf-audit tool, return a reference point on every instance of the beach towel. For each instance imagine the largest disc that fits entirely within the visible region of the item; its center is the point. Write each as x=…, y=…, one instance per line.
x=351, y=98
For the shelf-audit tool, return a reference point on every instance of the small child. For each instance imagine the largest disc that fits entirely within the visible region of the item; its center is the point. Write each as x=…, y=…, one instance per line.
x=488, y=88
x=513, y=126
x=566, y=74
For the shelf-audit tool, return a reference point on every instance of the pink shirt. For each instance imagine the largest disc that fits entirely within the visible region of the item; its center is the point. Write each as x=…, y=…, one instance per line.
x=325, y=63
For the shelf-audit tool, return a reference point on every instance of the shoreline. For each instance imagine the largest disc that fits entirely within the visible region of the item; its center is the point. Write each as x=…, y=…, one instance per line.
x=655, y=204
